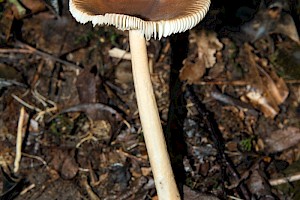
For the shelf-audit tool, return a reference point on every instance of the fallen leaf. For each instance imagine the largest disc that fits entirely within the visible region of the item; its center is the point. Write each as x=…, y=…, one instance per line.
x=190, y=194
x=34, y=5
x=270, y=19
x=258, y=184
x=63, y=161
x=6, y=22
x=69, y=168
x=123, y=72
x=265, y=90
x=86, y=85
x=101, y=129
x=282, y=139
x=192, y=72
x=208, y=44
x=18, y=9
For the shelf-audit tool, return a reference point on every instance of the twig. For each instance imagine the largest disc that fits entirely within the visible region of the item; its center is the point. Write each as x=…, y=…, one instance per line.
x=40, y=112
x=89, y=190
x=41, y=98
x=90, y=106
x=86, y=137
x=292, y=81
x=46, y=55
x=12, y=50
x=45, y=103
x=216, y=82
x=290, y=178
x=27, y=49
x=140, y=159
x=5, y=83
x=226, y=99
x=19, y=141
x=234, y=198
x=27, y=189
x=26, y=104
x=37, y=158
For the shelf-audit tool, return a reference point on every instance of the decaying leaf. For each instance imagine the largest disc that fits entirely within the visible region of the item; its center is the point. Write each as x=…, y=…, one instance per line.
x=258, y=184
x=6, y=22
x=190, y=194
x=208, y=44
x=64, y=162
x=192, y=72
x=123, y=72
x=271, y=19
x=18, y=9
x=34, y=5
x=287, y=58
x=265, y=90
x=282, y=139
x=86, y=85
x=101, y=129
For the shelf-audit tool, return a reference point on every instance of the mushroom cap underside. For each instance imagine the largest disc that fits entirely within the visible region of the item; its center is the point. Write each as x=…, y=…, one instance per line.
x=154, y=18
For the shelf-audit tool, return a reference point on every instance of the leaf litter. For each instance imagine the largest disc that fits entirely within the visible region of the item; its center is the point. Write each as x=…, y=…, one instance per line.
x=83, y=137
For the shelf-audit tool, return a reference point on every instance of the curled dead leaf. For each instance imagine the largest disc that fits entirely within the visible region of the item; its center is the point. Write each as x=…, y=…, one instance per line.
x=192, y=72
x=265, y=90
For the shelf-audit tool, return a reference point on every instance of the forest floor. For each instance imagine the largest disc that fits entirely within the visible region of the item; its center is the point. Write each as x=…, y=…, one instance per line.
x=228, y=94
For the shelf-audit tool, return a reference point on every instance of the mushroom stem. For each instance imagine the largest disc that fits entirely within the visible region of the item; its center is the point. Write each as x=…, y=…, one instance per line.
x=154, y=138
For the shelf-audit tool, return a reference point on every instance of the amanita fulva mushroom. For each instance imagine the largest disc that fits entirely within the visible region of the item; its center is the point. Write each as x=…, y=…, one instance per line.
x=145, y=19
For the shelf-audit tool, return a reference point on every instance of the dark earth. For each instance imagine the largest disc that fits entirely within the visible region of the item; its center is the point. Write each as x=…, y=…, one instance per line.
x=228, y=93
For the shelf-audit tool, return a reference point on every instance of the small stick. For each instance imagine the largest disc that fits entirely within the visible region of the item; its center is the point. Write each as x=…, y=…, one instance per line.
x=26, y=104
x=36, y=158
x=290, y=178
x=27, y=189
x=19, y=141
x=27, y=49
x=89, y=190
x=46, y=55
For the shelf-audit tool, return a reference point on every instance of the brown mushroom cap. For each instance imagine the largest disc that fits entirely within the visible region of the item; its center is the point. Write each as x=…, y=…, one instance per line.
x=155, y=18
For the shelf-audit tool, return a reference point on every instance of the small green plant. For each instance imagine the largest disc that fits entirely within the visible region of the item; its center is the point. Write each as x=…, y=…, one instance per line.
x=246, y=144
x=61, y=126
x=84, y=37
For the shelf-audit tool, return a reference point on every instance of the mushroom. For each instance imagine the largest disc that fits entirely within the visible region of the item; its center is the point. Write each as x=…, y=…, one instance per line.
x=145, y=19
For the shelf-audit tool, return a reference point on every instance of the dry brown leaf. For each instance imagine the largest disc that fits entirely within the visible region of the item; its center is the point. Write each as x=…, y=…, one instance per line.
x=34, y=5
x=101, y=129
x=276, y=85
x=257, y=183
x=265, y=90
x=268, y=20
x=192, y=72
x=123, y=73
x=282, y=139
x=69, y=168
x=208, y=44
x=190, y=194
x=259, y=100
x=6, y=22
x=194, y=68
x=86, y=85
